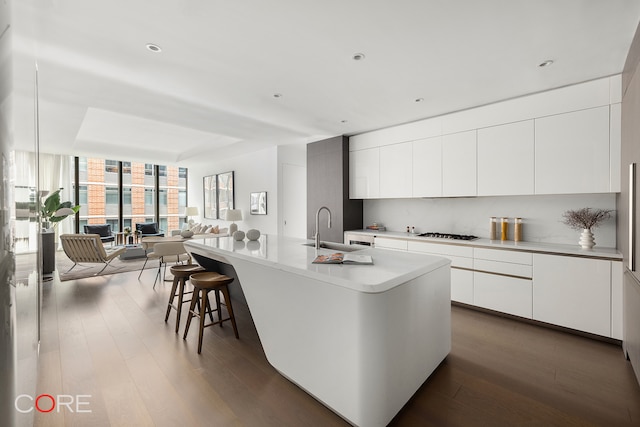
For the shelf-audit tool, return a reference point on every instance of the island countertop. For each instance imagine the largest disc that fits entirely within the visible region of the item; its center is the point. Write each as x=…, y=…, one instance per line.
x=290, y=254
x=361, y=339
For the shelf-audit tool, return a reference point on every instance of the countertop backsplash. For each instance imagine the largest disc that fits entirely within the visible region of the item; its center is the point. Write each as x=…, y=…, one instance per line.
x=542, y=215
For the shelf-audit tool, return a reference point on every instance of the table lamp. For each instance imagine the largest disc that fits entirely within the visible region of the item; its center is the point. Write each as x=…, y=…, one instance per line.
x=233, y=215
x=191, y=211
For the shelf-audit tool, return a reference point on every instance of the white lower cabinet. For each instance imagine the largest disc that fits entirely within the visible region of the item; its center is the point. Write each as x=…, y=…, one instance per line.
x=502, y=293
x=461, y=267
x=616, y=300
x=462, y=286
x=578, y=293
x=502, y=281
x=572, y=292
x=385, y=243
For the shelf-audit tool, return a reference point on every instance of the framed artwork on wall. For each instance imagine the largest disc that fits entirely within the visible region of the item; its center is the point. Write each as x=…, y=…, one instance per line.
x=218, y=195
x=210, y=197
x=258, y=203
x=225, y=194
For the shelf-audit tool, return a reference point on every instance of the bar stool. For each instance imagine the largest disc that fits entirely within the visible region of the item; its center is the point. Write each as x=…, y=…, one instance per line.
x=202, y=284
x=181, y=274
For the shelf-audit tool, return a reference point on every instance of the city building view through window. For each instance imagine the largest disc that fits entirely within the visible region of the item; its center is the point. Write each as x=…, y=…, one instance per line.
x=119, y=193
x=124, y=194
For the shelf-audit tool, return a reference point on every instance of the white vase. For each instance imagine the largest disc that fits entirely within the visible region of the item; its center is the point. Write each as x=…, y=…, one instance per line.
x=586, y=239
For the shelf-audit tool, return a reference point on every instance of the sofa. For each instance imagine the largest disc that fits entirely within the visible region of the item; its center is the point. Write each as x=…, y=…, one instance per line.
x=202, y=230
x=103, y=230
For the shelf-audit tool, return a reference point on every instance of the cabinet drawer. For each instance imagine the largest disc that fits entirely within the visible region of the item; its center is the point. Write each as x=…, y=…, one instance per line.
x=456, y=261
x=381, y=242
x=520, y=270
x=503, y=256
x=504, y=294
x=441, y=249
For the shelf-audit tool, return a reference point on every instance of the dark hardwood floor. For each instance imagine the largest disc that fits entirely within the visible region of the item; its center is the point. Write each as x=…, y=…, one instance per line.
x=106, y=337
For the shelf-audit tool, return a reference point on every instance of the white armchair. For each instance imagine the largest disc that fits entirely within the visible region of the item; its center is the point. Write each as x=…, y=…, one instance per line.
x=165, y=252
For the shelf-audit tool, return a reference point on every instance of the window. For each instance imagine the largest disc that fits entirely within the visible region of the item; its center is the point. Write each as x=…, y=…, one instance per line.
x=111, y=166
x=100, y=193
x=111, y=195
x=126, y=196
x=83, y=195
x=114, y=224
x=148, y=196
x=163, y=197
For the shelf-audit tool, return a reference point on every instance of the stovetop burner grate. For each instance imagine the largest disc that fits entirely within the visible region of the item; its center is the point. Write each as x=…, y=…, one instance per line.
x=448, y=236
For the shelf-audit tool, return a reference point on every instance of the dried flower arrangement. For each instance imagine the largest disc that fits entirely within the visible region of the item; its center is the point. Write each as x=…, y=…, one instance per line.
x=586, y=218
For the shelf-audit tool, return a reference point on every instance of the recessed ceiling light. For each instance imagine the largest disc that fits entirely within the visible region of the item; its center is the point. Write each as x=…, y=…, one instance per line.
x=358, y=56
x=277, y=95
x=154, y=47
x=419, y=99
x=545, y=63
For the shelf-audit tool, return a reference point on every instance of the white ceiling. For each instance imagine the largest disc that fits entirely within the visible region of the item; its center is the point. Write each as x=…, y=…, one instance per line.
x=211, y=89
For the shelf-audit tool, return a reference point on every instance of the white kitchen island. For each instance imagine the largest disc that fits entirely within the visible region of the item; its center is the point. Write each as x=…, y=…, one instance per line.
x=359, y=338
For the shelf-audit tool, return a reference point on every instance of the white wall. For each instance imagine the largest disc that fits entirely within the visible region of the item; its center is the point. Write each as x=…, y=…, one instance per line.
x=257, y=171
x=542, y=215
x=292, y=203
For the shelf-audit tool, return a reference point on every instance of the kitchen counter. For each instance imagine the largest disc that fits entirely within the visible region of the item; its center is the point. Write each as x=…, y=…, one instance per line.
x=548, y=248
x=390, y=269
x=359, y=338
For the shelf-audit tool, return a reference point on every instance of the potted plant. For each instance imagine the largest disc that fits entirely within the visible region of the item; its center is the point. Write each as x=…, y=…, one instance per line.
x=53, y=211
x=586, y=219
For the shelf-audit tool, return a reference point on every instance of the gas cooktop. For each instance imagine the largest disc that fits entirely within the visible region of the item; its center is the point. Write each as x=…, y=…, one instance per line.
x=448, y=236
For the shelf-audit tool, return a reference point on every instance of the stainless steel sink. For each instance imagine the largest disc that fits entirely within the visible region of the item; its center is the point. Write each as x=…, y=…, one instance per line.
x=341, y=247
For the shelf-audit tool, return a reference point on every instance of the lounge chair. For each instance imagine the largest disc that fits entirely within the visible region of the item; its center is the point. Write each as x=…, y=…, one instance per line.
x=88, y=248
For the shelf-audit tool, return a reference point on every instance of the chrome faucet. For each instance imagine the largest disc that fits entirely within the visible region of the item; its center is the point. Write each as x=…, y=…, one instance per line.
x=317, y=235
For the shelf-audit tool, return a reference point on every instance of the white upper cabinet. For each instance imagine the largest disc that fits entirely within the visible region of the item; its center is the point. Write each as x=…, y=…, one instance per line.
x=427, y=167
x=561, y=141
x=572, y=152
x=506, y=159
x=364, y=174
x=395, y=170
x=459, y=164
x=615, y=146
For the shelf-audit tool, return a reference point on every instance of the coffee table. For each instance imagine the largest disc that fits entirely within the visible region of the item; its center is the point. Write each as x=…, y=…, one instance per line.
x=133, y=252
